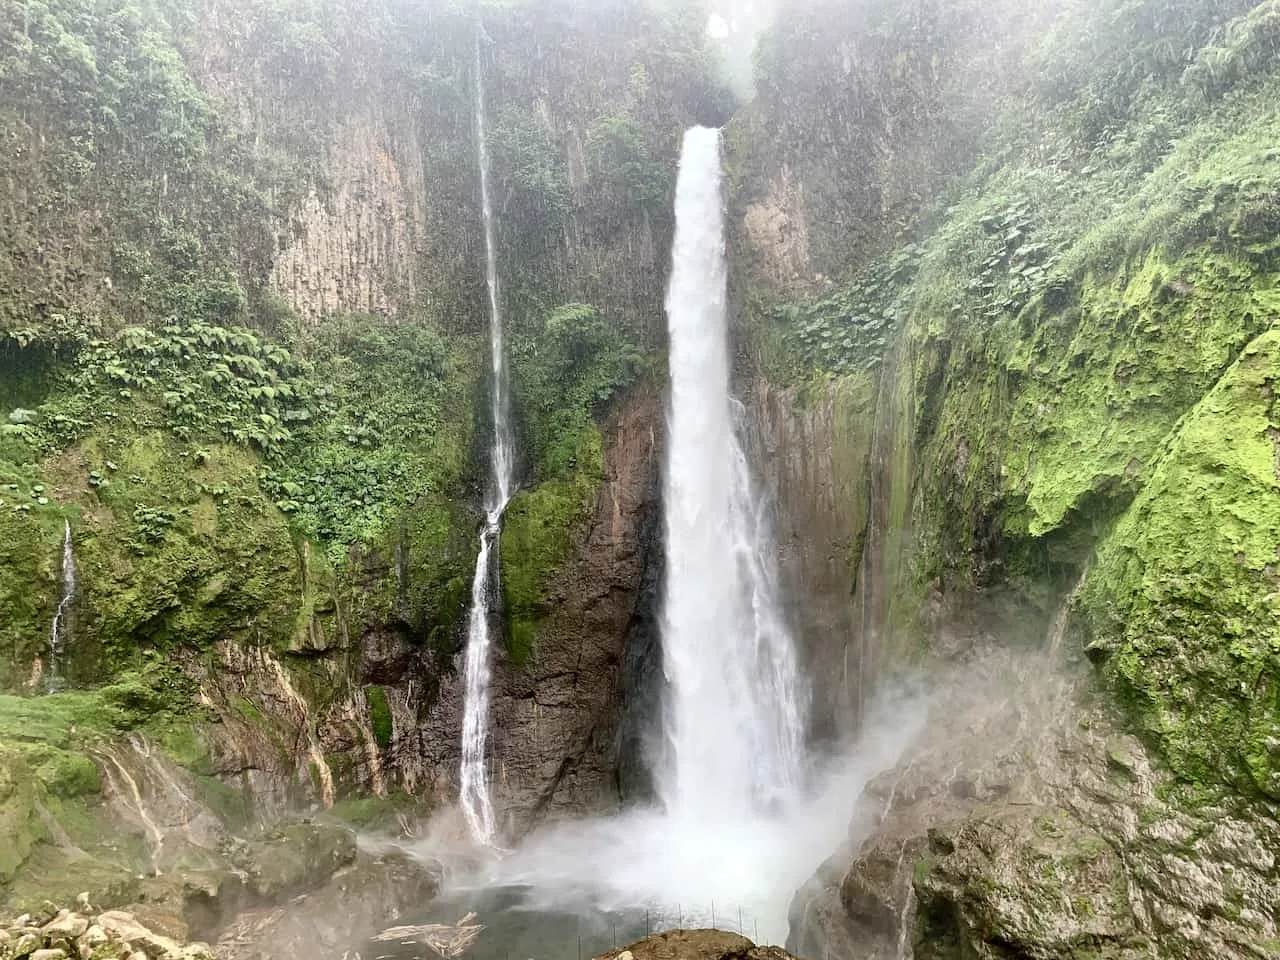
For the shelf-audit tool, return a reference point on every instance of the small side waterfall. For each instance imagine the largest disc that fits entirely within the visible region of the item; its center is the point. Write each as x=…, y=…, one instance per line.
x=474, y=796
x=60, y=629
x=736, y=707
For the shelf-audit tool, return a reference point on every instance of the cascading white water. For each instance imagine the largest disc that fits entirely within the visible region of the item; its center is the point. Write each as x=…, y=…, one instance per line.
x=735, y=704
x=746, y=814
x=57, y=632
x=474, y=796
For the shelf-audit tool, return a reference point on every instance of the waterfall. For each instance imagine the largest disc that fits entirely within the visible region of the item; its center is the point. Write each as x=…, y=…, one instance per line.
x=735, y=710
x=477, y=805
x=747, y=814
x=61, y=615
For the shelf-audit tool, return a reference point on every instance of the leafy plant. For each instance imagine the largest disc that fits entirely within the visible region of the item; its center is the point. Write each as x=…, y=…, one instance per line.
x=567, y=374
x=850, y=330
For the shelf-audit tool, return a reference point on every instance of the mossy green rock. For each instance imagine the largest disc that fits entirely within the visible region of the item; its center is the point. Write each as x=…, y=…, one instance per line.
x=21, y=827
x=297, y=858
x=1035, y=882
x=1182, y=604
x=537, y=537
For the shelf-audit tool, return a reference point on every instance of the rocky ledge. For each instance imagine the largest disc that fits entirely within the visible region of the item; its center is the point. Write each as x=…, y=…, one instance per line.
x=88, y=934
x=697, y=945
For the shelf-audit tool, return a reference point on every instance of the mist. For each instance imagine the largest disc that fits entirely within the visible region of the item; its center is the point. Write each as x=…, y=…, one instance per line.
x=735, y=28
x=737, y=871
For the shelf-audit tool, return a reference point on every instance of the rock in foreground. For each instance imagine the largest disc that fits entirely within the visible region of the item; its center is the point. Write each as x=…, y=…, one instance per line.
x=55, y=934
x=697, y=945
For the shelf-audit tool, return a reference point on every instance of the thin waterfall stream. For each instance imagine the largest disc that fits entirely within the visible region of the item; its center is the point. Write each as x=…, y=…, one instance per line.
x=59, y=630
x=473, y=776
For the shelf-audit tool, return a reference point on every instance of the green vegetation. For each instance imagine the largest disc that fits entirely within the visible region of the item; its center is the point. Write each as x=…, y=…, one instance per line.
x=129, y=141
x=397, y=429
x=1073, y=312
x=46, y=744
x=624, y=176
x=200, y=381
x=566, y=377
x=1181, y=607
x=379, y=716
x=851, y=329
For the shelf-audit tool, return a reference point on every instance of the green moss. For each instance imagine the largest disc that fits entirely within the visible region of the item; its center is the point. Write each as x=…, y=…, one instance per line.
x=380, y=716
x=920, y=871
x=1092, y=400
x=1182, y=605
x=30, y=549
x=21, y=827
x=375, y=813
x=538, y=536
x=438, y=545
x=57, y=875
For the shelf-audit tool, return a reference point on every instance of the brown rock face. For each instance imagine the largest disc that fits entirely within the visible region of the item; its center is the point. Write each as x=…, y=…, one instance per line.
x=697, y=945
x=812, y=451
x=554, y=720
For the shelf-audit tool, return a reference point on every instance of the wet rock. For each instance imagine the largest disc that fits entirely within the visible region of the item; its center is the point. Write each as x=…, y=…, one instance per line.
x=93, y=937
x=125, y=928
x=375, y=892
x=1088, y=848
x=556, y=717
x=697, y=945
x=67, y=925
x=297, y=858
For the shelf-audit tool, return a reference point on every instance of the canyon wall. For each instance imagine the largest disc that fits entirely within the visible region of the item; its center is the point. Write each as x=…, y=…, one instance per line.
x=244, y=367
x=1047, y=352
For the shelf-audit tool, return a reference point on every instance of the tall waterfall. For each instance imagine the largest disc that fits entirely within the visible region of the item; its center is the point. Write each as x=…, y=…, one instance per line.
x=477, y=805
x=746, y=814
x=58, y=632
x=736, y=706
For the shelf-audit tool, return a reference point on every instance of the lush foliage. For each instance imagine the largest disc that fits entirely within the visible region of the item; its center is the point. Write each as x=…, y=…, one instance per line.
x=566, y=377
x=140, y=200
x=850, y=330
x=624, y=176
x=1081, y=340
x=198, y=380
x=392, y=434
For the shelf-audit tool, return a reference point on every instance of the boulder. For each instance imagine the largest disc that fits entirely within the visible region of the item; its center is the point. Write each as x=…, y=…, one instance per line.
x=124, y=927
x=66, y=925
x=297, y=858
x=330, y=923
x=93, y=937
x=697, y=945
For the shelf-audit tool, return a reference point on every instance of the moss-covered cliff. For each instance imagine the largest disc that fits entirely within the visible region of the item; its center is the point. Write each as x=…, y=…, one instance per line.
x=242, y=322
x=1066, y=299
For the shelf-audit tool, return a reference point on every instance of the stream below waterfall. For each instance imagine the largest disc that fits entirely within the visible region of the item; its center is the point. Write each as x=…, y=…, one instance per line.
x=517, y=927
